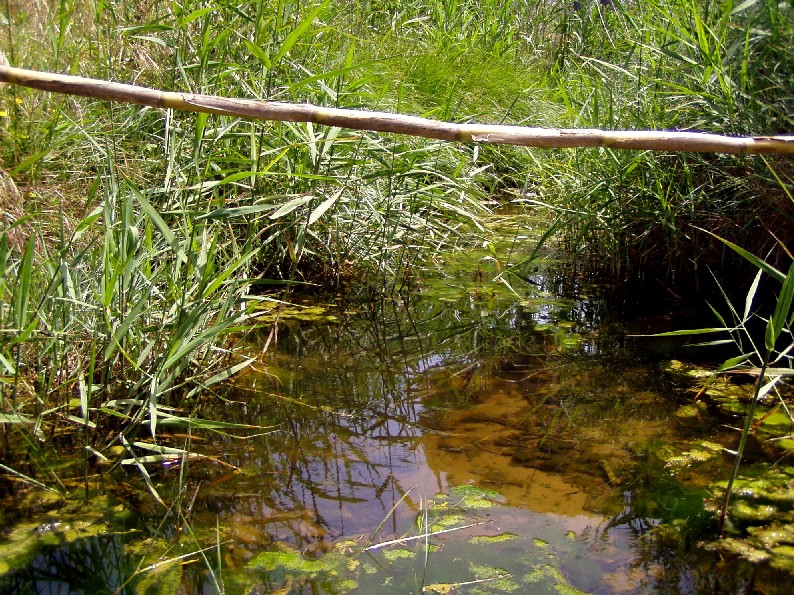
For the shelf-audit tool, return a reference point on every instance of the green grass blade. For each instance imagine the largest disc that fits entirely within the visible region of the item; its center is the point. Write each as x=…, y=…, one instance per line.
x=324, y=206
x=782, y=309
x=159, y=223
x=751, y=258
x=298, y=32
x=24, y=279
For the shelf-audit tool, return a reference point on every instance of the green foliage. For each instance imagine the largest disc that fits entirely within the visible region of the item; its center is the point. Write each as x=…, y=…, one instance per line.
x=683, y=65
x=771, y=362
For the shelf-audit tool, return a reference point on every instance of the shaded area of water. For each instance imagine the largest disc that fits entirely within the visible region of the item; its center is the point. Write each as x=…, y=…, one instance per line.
x=378, y=414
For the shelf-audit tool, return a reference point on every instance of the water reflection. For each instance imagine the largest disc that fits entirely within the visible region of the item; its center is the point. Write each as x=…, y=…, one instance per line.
x=91, y=565
x=394, y=402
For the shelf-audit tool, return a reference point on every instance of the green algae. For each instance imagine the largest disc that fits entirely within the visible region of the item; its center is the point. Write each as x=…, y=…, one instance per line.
x=478, y=539
x=398, y=554
x=692, y=412
x=298, y=313
x=471, y=497
x=701, y=452
x=162, y=579
x=761, y=517
x=69, y=523
x=292, y=561
x=741, y=548
x=773, y=485
x=686, y=371
x=287, y=563
x=498, y=579
x=550, y=574
x=782, y=558
x=743, y=512
x=447, y=519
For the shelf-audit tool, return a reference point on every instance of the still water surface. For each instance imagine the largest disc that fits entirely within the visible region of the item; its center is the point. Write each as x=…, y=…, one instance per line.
x=503, y=440
x=382, y=408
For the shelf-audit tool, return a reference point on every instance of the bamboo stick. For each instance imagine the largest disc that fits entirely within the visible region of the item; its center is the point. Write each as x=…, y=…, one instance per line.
x=549, y=138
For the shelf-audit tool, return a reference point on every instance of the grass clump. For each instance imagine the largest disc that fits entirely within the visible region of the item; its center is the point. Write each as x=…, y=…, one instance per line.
x=683, y=65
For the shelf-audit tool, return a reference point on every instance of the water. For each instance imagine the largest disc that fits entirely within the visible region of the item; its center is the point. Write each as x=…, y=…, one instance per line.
x=509, y=440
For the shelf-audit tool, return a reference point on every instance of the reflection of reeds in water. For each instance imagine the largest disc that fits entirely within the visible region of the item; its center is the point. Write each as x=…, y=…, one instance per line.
x=462, y=379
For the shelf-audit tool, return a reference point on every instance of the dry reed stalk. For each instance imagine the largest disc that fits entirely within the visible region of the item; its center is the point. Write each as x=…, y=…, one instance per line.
x=11, y=209
x=549, y=138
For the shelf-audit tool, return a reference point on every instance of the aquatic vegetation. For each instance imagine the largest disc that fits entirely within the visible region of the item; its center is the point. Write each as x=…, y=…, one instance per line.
x=548, y=573
x=468, y=497
x=701, y=452
x=493, y=538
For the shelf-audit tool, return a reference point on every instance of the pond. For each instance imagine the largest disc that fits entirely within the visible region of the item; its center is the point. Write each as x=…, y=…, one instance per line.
x=474, y=434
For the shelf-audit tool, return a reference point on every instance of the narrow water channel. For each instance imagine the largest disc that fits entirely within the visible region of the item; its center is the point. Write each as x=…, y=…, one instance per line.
x=460, y=438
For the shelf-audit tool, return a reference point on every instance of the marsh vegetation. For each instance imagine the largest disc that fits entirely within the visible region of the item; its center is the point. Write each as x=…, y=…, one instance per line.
x=149, y=258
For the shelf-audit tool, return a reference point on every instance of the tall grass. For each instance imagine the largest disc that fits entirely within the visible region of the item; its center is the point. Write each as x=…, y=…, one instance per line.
x=688, y=64
x=148, y=237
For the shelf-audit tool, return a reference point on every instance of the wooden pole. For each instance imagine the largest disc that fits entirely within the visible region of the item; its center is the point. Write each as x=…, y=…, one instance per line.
x=548, y=138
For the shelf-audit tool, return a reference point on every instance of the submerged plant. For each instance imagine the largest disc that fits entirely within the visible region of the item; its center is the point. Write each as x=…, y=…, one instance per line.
x=771, y=362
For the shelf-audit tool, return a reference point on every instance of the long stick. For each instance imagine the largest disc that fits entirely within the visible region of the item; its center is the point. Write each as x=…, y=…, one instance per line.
x=549, y=138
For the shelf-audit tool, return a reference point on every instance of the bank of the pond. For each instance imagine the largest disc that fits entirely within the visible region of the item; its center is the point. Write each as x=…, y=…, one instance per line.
x=467, y=435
